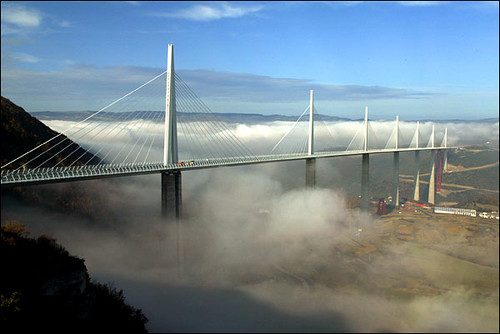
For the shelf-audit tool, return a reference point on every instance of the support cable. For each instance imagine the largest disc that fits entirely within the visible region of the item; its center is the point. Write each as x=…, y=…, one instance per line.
x=239, y=146
x=89, y=117
x=353, y=139
x=215, y=124
x=121, y=124
x=293, y=126
x=203, y=126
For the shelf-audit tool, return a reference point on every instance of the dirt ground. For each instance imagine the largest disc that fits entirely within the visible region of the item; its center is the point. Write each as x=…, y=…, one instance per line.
x=404, y=254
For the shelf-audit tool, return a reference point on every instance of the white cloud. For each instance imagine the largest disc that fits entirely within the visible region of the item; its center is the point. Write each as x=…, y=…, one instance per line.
x=25, y=58
x=20, y=16
x=84, y=87
x=78, y=84
x=76, y=87
x=64, y=24
x=259, y=88
x=214, y=12
x=18, y=19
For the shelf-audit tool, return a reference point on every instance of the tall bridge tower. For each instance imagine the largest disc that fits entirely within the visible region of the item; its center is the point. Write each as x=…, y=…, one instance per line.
x=311, y=162
x=416, y=182
x=395, y=169
x=365, y=170
x=171, y=181
x=431, y=198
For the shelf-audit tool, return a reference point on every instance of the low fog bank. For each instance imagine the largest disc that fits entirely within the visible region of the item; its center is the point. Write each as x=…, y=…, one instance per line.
x=340, y=134
x=137, y=141
x=257, y=253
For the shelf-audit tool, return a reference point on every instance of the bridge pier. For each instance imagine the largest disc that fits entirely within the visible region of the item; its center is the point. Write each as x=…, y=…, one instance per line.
x=445, y=161
x=365, y=183
x=311, y=173
x=416, y=181
x=395, y=180
x=445, y=156
x=171, y=209
x=171, y=195
x=432, y=180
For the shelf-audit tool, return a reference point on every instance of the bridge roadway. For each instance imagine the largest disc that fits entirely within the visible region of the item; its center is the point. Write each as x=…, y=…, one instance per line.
x=68, y=174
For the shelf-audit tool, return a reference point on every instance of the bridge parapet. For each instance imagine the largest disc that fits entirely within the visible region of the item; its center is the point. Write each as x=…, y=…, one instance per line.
x=64, y=174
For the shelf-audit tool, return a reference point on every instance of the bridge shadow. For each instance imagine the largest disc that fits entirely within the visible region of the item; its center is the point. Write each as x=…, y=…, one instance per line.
x=191, y=309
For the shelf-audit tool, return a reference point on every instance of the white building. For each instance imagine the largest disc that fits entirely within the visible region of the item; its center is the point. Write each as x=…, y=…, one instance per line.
x=455, y=211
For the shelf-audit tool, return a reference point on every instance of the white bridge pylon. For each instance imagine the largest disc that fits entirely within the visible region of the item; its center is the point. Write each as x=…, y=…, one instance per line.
x=170, y=153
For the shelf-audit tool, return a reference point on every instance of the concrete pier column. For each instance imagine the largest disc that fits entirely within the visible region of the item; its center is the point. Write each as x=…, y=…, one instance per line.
x=432, y=180
x=445, y=153
x=416, y=181
x=171, y=195
x=311, y=173
x=395, y=180
x=445, y=160
x=171, y=209
x=365, y=183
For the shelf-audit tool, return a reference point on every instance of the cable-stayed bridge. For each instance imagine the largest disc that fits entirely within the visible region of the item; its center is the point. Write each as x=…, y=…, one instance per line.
x=162, y=126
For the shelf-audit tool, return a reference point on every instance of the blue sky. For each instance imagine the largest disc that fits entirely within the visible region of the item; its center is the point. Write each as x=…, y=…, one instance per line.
x=419, y=60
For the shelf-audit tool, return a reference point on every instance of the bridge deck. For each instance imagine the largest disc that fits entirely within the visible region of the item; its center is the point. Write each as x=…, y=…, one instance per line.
x=67, y=174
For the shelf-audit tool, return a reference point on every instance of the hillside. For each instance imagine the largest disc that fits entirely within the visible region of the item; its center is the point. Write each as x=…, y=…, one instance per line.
x=22, y=132
x=43, y=287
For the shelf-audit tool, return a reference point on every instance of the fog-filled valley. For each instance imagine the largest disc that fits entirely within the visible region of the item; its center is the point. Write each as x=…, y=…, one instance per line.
x=253, y=257
x=256, y=250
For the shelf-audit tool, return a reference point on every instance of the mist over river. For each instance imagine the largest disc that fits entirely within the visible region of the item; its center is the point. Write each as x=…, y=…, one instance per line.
x=258, y=252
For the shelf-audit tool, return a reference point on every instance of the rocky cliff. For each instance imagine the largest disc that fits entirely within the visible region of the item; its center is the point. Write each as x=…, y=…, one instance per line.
x=43, y=287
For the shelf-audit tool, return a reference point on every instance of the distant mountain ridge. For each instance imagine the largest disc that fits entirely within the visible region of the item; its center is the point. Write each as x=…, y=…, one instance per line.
x=181, y=116
x=227, y=117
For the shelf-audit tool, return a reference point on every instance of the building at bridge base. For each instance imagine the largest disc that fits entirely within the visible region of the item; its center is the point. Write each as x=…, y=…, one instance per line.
x=171, y=195
x=365, y=183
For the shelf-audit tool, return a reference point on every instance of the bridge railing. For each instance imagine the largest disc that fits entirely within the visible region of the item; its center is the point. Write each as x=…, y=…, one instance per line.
x=26, y=175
